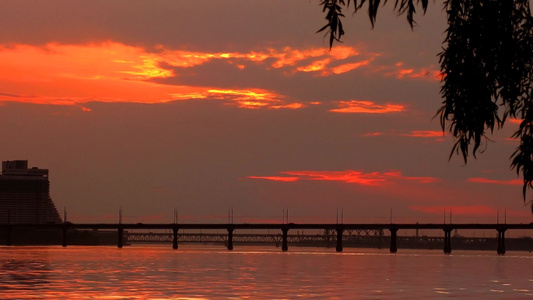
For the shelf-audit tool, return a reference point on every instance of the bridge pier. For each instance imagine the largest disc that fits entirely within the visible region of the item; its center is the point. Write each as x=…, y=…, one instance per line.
x=284, y=246
x=120, y=237
x=64, y=242
x=393, y=246
x=501, y=241
x=230, y=238
x=175, y=238
x=339, y=239
x=447, y=240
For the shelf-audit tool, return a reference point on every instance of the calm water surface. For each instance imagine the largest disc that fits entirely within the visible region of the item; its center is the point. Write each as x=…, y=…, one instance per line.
x=211, y=272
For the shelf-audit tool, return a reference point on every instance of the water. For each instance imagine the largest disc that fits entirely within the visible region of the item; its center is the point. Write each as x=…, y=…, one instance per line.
x=212, y=272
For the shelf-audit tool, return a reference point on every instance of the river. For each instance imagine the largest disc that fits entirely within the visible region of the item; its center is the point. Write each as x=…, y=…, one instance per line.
x=212, y=272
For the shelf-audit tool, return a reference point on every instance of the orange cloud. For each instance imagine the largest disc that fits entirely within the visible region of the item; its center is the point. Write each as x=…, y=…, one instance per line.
x=349, y=176
x=91, y=62
x=500, y=182
x=318, y=65
x=373, y=134
x=289, y=106
x=253, y=98
x=114, y=72
x=368, y=107
x=276, y=178
x=290, y=57
x=437, y=135
x=350, y=66
x=425, y=134
x=400, y=72
x=343, y=52
x=321, y=59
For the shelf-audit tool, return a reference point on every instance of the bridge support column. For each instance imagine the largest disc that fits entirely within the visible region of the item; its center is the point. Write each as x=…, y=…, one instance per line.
x=120, y=238
x=174, y=238
x=284, y=246
x=339, y=239
x=447, y=240
x=230, y=238
x=501, y=241
x=64, y=242
x=393, y=247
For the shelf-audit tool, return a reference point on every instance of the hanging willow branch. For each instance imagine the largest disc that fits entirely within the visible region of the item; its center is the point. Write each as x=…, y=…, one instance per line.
x=333, y=9
x=486, y=66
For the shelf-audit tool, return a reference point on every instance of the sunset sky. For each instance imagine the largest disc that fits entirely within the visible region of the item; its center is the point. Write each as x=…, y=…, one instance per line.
x=209, y=105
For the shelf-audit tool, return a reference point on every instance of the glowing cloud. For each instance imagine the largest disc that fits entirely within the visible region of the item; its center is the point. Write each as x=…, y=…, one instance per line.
x=437, y=135
x=400, y=72
x=321, y=58
x=114, y=72
x=349, y=176
x=254, y=98
x=367, y=107
x=315, y=66
x=276, y=178
x=290, y=57
x=425, y=134
x=373, y=134
x=349, y=67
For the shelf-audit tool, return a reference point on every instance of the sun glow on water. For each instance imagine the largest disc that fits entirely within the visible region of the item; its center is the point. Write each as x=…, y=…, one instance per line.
x=210, y=271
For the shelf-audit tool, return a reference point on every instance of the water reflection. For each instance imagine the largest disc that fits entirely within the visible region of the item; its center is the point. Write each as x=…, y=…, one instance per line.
x=23, y=270
x=204, y=272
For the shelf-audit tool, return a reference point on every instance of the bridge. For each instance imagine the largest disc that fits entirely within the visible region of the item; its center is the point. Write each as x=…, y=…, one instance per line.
x=327, y=238
x=338, y=229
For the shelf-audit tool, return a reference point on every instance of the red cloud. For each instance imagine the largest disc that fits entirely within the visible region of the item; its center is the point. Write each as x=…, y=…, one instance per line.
x=425, y=134
x=349, y=176
x=437, y=135
x=367, y=107
x=492, y=181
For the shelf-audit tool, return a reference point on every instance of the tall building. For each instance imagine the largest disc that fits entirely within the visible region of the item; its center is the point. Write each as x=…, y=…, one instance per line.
x=25, y=195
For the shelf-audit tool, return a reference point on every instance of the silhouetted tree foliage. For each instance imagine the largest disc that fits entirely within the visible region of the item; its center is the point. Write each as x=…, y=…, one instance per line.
x=486, y=66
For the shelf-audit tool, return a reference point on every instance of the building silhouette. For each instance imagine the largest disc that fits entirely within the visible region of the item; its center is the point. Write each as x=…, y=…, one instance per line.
x=25, y=195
